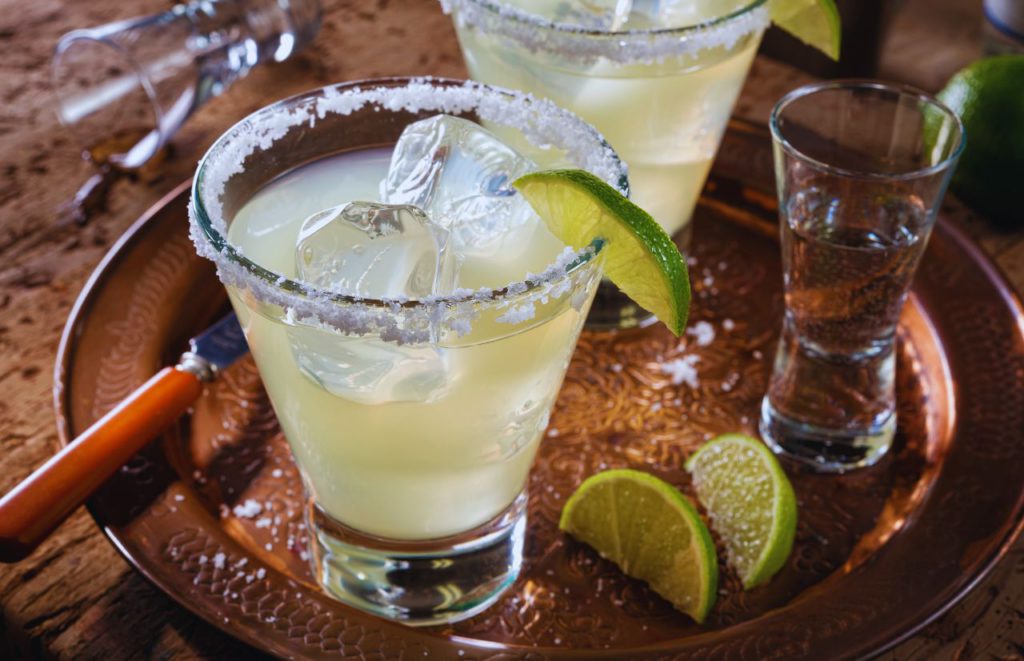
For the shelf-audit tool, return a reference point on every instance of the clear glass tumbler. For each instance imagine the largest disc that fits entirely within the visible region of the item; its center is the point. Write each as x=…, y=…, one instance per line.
x=416, y=494
x=662, y=95
x=123, y=89
x=861, y=169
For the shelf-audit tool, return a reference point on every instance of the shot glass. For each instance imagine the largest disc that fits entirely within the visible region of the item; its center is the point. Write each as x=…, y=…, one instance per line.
x=414, y=421
x=861, y=168
x=123, y=89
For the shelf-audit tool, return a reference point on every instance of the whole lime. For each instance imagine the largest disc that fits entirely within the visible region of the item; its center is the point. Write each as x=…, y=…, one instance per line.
x=989, y=97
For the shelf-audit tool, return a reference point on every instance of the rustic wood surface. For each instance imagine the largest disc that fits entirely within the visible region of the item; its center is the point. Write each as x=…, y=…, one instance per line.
x=75, y=597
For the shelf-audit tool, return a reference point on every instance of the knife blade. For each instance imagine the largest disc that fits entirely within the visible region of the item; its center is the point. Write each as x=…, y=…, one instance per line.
x=221, y=344
x=40, y=502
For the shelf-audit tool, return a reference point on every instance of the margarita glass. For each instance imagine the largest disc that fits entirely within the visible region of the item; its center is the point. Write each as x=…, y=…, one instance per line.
x=660, y=89
x=416, y=482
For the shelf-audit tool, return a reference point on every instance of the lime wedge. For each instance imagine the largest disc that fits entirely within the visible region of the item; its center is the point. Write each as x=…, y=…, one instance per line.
x=647, y=528
x=639, y=257
x=750, y=502
x=814, y=22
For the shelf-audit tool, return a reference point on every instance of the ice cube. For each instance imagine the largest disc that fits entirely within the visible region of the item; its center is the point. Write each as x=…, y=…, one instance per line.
x=369, y=370
x=375, y=250
x=608, y=15
x=663, y=14
x=615, y=15
x=372, y=250
x=461, y=175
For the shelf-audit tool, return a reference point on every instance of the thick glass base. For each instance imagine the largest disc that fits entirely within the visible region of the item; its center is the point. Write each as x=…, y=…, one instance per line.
x=826, y=450
x=419, y=583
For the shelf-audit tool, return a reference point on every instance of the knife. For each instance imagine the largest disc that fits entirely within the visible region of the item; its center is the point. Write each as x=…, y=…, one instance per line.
x=36, y=506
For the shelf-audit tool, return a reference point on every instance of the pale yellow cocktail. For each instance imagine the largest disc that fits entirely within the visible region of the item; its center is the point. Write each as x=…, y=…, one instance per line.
x=411, y=319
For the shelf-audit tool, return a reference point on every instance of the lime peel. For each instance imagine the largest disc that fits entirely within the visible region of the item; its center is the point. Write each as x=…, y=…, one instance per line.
x=651, y=531
x=814, y=22
x=639, y=257
x=989, y=97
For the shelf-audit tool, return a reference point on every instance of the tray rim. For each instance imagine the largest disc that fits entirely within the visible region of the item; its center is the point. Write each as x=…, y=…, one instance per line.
x=104, y=269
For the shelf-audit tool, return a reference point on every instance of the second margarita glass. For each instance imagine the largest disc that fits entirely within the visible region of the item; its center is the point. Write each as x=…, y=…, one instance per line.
x=661, y=92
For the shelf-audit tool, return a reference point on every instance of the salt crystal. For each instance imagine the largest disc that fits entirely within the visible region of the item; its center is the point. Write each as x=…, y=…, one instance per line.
x=682, y=370
x=268, y=546
x=703, y=333
x=218, y=561
x=263, y=523
x=518, y=314
x=261, y=572
x=616, y=367
x=655, y=407
x=277, y=472
x=178, y=497
x=248, y=509
x=202, y=559
x=728, y=324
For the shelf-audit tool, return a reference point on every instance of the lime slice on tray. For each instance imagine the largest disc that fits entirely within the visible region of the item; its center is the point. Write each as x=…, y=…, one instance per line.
x=814, y=22
x=639, y=257
x=750, y=501
x=647, y=528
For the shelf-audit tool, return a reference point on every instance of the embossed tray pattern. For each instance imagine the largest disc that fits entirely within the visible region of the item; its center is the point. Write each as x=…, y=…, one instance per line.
x=210, y=512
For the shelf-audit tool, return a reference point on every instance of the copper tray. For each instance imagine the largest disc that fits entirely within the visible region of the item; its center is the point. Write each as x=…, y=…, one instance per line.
x=879, y=553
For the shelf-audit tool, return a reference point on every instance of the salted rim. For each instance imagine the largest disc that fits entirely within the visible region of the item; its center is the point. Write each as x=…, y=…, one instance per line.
x=398, y=318
x=537, y=33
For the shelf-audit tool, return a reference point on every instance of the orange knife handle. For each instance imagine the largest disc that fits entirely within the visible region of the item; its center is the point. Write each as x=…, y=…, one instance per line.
x=36, y=506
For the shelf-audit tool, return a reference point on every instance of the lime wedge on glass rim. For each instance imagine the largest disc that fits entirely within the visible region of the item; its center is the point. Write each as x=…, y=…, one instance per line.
x=750, y=501
x=814, y=22
x=646, y=527
x=639, y=257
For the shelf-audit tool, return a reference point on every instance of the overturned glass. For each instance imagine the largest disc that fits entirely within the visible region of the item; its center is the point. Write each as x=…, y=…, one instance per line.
x=123, y=89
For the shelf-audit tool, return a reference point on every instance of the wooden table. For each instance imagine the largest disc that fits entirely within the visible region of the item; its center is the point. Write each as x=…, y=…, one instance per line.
x=76, y=597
